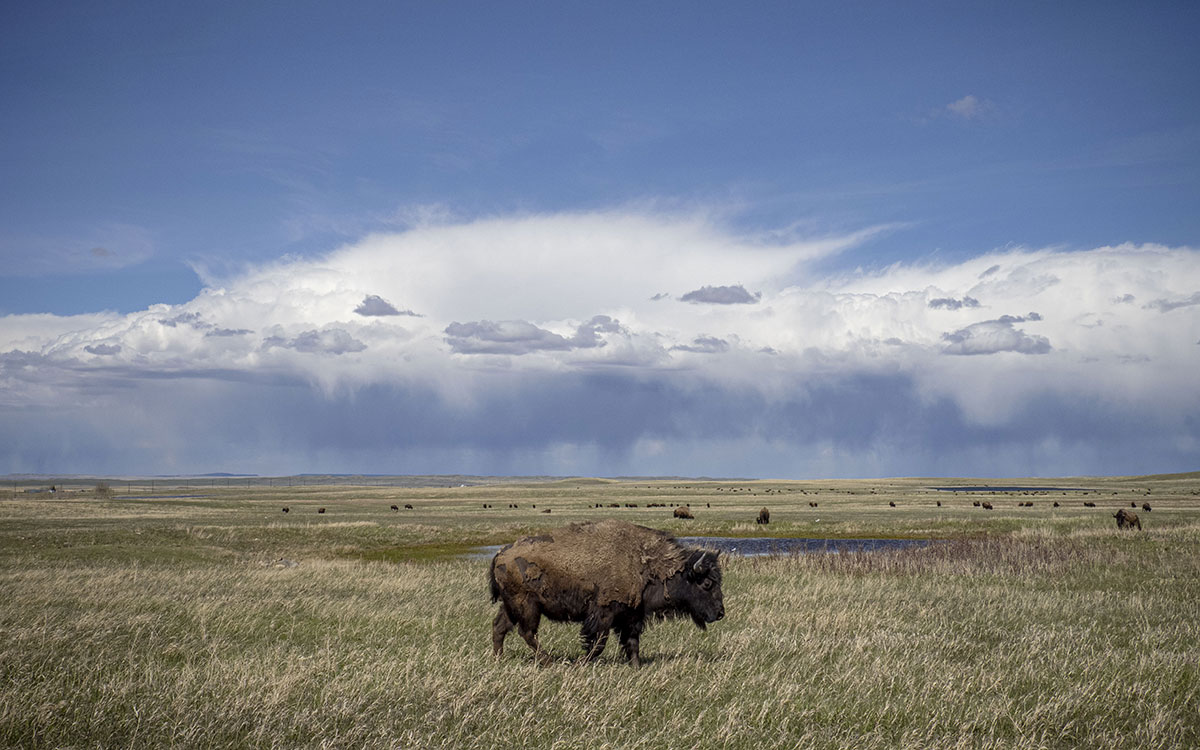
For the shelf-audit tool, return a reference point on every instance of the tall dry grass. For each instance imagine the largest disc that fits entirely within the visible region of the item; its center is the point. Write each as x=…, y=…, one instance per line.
x=180, y=626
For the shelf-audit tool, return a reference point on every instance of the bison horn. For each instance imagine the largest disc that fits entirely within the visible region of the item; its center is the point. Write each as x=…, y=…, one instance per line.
x=699, y=560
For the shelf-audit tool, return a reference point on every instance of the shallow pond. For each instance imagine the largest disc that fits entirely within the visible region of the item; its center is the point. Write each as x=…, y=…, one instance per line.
x=762, y=546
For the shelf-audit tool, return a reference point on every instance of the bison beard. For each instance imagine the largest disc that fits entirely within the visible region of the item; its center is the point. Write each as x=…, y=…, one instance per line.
x=606, y=575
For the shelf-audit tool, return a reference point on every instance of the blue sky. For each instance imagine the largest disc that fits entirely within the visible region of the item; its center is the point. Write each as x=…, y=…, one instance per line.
x=534, y=190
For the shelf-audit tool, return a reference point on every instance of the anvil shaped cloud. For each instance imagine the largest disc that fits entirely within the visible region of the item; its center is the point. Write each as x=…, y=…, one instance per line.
x=577, y=310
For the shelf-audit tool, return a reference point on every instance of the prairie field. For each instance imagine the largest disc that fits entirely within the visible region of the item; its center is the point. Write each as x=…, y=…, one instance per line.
x=199, y=614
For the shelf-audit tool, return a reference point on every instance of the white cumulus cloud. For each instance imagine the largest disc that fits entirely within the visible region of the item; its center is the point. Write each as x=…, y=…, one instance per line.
x=579, y=328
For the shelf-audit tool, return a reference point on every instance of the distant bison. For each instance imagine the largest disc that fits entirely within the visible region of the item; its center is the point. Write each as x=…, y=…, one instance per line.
x=682, y=512
x=320, y=510
x=1127, y=520
x=987, y=506
x=891, y=504
x=408, y=506
x=1088, y=504
x=764, y=516
x=285, y=509
x=605, y=575
x=395, y=507
x=1146, y=507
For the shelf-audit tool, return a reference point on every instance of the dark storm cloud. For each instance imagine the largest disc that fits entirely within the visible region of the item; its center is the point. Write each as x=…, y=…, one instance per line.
x=329, y=341
x=992, y=336
x=519, y=337
x=103, y=349
x=587, y=335
x=189, y=319
x=505, y=337
x=228, y=332
x=1167, y=305
x=855, y=419
x=722, y=295
x=949, y=303
x=704, y=345
x=373, y=305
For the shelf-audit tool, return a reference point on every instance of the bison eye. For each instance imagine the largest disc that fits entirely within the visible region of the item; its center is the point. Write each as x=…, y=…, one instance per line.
x=708, y=584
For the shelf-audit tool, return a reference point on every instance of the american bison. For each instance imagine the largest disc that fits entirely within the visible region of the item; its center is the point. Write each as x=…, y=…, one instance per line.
x=320, y=510
x=682, y=512
x=987, y=506
x=1088, y=504
x=395, y=507
x=1146, y=507
x=891, y=504
x=285, y=509
x=408, y=506
x=764, y=516
x=605, y=575
x=1127, y=520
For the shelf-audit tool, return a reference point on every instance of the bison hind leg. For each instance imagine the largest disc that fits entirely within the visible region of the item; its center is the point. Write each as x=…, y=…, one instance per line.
x=500, y=628
x=527, y=619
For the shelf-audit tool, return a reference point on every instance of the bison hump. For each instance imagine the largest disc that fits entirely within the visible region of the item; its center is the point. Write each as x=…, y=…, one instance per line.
x=615, y=559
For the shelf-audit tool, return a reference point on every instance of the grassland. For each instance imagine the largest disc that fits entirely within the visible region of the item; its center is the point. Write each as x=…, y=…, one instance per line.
x=147, y=619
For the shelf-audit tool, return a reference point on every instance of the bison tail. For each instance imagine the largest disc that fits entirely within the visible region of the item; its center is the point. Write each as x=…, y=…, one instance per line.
x=495, y=587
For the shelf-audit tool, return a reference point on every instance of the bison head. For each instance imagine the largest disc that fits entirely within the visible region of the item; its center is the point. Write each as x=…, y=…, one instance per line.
x=695, y=591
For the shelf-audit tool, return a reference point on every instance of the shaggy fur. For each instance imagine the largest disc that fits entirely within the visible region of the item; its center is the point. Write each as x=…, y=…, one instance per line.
x=1127, y=520
x=619, y=559
x=607, y=574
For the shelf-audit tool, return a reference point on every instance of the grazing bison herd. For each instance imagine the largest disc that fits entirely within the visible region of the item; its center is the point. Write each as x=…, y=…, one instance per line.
x=612, y=575
x=1125, y=519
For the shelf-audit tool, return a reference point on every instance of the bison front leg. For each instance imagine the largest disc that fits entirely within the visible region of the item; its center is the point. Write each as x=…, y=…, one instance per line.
x=594, y=633
x=630, y=634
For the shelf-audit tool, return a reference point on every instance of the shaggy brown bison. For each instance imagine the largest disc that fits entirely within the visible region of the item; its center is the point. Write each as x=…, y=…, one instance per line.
x=605, y=575
x=1146, y=507
x=682, y=512
x=764, y=516
x=1127, y=520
